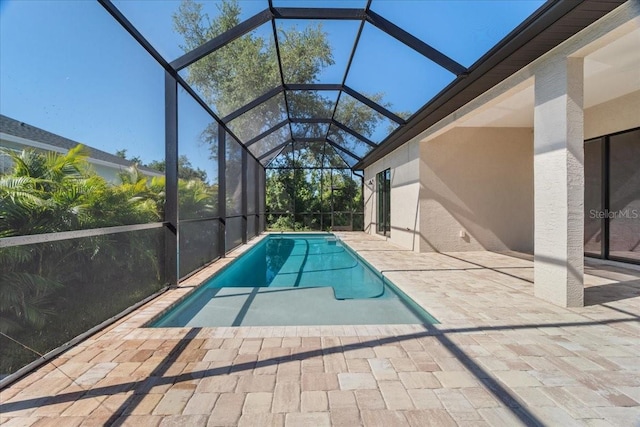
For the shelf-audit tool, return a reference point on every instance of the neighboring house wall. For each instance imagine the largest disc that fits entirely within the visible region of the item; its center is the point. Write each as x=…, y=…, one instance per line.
x=477, y=190
x=108, y=171
x=107, y=166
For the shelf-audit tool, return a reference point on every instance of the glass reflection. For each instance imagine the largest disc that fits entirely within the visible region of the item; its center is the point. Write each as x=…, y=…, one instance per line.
x=624, y=190
x=593, y=196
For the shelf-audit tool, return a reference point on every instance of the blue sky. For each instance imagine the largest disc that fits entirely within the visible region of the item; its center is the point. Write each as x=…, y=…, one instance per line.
x=68, y=67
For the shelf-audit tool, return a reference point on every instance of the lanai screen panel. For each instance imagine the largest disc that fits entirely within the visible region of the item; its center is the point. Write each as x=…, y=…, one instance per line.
x=367, y=65
x=225, y=85
x=308, y=154
x=266, y=145
x=234, y=185
x=376, y=126
x=239, y=67
x=259, y=119
x=462, y=30
x=306, y=104
x=332, y=50
x=349, y=142
x=284, y=158
x=310, y=130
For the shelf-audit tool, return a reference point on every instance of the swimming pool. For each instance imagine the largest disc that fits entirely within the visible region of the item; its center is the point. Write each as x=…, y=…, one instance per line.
x=296, y=279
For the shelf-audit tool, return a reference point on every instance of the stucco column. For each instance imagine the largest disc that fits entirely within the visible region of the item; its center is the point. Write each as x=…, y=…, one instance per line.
x=559, y=183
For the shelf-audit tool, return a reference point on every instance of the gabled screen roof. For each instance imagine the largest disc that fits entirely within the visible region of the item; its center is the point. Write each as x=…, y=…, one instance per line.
x=322, y=82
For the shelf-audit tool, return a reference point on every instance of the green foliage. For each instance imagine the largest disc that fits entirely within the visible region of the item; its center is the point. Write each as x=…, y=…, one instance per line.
x=53, y=291
x=245, y=69
x=282, y=223
x=297, y=197
x=197, y=200
x=25, y=298
x=51, y=192
x=233, y=75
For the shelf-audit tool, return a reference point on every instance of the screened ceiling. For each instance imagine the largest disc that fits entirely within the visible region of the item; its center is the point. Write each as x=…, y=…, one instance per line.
x=300, y=83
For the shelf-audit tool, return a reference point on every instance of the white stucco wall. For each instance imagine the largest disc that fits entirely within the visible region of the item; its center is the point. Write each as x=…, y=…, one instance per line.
x=501, y=188
x=473, y=180
x=451, y=199
x=405, y=192
x=558, y=167
x=612, y=116
x=478, y=182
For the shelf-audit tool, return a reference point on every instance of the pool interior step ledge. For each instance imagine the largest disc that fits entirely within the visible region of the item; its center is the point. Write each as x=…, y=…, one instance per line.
x=246, y=306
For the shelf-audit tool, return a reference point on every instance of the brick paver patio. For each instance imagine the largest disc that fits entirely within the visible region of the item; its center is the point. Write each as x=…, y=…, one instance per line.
x=499, y=357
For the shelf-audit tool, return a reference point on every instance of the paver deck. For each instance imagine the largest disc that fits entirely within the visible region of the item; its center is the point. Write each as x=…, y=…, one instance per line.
x=499, y=357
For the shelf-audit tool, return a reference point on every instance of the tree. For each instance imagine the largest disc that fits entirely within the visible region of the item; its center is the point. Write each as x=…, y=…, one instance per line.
x=185, y=169
x=135, y=159
x=244, y=69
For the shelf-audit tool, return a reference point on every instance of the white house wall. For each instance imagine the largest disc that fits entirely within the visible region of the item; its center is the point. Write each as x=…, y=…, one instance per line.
x=405, y=193
x=613, y=116
x=477, y=190
x=489, y=186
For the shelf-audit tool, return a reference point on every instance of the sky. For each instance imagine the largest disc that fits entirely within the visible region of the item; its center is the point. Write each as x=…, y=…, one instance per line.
x=68, y=67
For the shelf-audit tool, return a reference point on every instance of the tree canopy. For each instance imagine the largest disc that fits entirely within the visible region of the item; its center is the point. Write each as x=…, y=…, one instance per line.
x=246, y=68
x=185, y=169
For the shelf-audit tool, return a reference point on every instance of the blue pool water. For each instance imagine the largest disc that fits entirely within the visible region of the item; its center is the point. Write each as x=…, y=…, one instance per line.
x=283, y=277
x=303, y=261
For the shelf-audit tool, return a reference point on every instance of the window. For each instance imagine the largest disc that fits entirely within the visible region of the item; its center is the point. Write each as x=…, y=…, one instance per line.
x=384, y=202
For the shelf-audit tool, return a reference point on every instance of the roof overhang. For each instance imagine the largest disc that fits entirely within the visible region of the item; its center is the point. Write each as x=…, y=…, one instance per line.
x=540, y=33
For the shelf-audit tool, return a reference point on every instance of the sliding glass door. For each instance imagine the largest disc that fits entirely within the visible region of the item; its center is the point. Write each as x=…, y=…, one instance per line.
x=612, y=197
